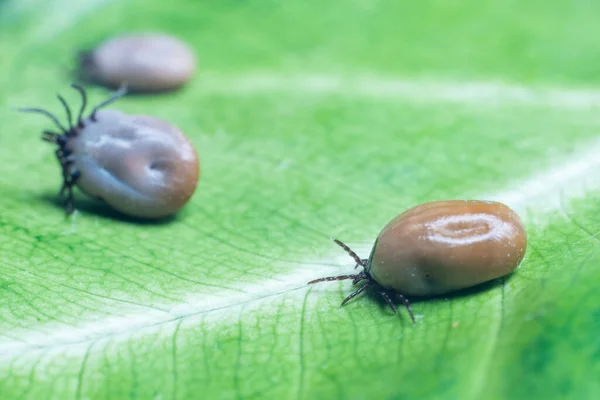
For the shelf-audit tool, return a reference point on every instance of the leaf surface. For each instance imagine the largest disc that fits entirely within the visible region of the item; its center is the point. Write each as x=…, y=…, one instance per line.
x=311, y=119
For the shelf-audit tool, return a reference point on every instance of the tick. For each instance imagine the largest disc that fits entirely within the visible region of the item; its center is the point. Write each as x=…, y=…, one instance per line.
x=138, y=164
x=147, y=62
x=440, y=247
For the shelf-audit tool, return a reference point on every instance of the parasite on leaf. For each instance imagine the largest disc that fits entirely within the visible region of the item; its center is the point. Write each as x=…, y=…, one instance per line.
x=148, y=62
x=440, y=247
x=140, y=165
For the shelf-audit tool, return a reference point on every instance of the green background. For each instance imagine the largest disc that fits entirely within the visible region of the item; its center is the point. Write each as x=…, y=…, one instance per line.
x=363, y=109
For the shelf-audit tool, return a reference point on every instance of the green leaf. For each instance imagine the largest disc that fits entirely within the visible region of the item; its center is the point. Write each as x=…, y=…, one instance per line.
x=312, y=119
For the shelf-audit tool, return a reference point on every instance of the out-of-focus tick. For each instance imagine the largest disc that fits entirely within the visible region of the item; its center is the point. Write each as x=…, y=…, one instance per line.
x=147, y=62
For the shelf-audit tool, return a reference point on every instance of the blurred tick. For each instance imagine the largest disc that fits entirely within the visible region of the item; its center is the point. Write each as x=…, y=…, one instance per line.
x=148, y=62
x=440, y=247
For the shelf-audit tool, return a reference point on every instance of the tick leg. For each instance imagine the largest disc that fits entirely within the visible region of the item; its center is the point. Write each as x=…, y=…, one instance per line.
x=65, y=163
x=68, y=187
x=50, y=136
x=364, y=262
x=69, y=174
x=360, y=277
x=387, y=299
x=334, y=278
x=356, y=292
x=408, y=307
x=69, y=203
x=352, y=254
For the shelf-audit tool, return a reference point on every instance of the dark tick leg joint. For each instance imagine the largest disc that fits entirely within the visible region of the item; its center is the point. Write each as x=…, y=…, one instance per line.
x=364, y=275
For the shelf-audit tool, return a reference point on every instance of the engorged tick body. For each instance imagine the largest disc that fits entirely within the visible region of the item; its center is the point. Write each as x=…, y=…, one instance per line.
x=140, y=165
x=440, y=247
